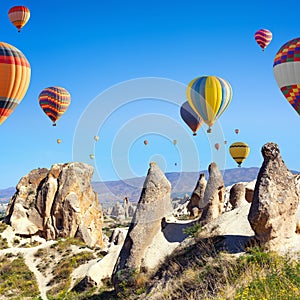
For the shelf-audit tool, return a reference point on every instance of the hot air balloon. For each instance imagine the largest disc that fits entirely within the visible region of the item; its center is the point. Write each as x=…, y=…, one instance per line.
x=263, y=37
x=209, y=96
x=58, y=141
x=96, y=138
x=92, y=156
x=239, y=152
x=174, y=142
x=19, y=16
x=14, y=79
x=225, y=142
x=190, y=117
x=217, y=146
x=286, y=69
x=237, y=131
x=145, y=142
x=54, y=101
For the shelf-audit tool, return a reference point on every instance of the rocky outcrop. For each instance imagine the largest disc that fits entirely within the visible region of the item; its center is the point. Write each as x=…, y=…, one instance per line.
x=275, y=201
x=237, y=195
x=122, y=211
x=196, y=202
x=154, y=204
x=59, y=202
x=213, y=195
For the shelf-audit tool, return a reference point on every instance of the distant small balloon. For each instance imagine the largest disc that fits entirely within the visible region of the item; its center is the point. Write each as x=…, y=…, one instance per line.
x=58, y=141
x=175, y=164
x=174, y=142
x=92, y=156
x=146, y=142
x=217, y=146
x=225, y=142
x=96, y=138
x=263, y=37
x=237, y=131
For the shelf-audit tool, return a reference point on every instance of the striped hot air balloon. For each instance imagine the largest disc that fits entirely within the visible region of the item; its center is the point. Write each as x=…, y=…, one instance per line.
x=263, y=37
x=54, y=101
x=190, y=117
x=286, y=69
x=209, y=97
x=14, y=79
x=19, y=16
x=239, y=152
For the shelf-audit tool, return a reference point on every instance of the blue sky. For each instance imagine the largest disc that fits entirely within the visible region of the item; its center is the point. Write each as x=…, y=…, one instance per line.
x=91, y=46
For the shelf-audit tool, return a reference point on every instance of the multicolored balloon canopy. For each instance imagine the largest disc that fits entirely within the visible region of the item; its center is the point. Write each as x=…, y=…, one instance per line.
x=286, y=69
x=239, y=151
x=54, y=101
x=15, y=75
x=209, y=97
x=263, y=37
x=190, y=117
x=19, y=16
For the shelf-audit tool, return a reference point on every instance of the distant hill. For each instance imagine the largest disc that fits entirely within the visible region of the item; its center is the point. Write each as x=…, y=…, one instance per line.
x=182, y=183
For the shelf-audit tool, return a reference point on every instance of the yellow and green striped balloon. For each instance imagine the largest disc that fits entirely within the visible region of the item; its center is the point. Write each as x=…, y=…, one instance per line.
x=209, y=97
x=239, y=152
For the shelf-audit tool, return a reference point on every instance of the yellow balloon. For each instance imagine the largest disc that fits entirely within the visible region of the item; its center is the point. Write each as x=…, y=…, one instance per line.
x=239, y=152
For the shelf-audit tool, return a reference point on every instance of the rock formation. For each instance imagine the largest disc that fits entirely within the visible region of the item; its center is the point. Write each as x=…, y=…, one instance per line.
x=275, y=201
x=59, y=202
x=237, y=195
x=154, y=204
x=196, y=202
x=213, y=195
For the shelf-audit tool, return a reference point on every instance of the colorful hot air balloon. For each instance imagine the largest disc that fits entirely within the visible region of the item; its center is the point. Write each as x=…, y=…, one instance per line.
x=19, y=16
x=237, y=131
x=286, y=69
x=239, y=152
x=190, y=117
x=209, y=96
x=263, y=37
x=145, y=142
x=58, y=141
x=174, y=142
x=96, y=138
x=14, y=79
x=217, y=146
x=54, y=101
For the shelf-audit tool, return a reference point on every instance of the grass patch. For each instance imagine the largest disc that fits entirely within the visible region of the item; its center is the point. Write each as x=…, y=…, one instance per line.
x=3, y=226
x=61, y=274
x=17, y=279
x=3, y=243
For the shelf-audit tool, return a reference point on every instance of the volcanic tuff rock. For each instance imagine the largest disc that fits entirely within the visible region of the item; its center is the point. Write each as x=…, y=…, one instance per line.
x=237, y=195
x=275, y=201
x=196, y=201
x=59, y=202
x=154, y=204
x=213, y=195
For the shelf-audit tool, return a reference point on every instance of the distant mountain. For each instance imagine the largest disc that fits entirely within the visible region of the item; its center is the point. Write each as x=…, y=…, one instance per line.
x=182, y=183
x=5, y=194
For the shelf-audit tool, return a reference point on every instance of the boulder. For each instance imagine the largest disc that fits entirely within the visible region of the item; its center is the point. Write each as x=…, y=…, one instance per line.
x=59, y=202
x=196, y=202
x=213, y=195
x=237, y=195
x=275, y=201
x=154, y=204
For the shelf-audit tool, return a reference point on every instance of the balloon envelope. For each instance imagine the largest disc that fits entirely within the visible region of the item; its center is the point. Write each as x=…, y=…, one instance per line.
x=236, y=131
x=263, y=37
x=217, y=146
x=54, y=101
x=209, y=97
x=58, y=141
x=239, y=152
x=145, y=142
x=96, y=138
x=14, y=79
x=174, y=142
x=19, y=16
x=286, y=69
x=190, y=117
x=92, y=156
